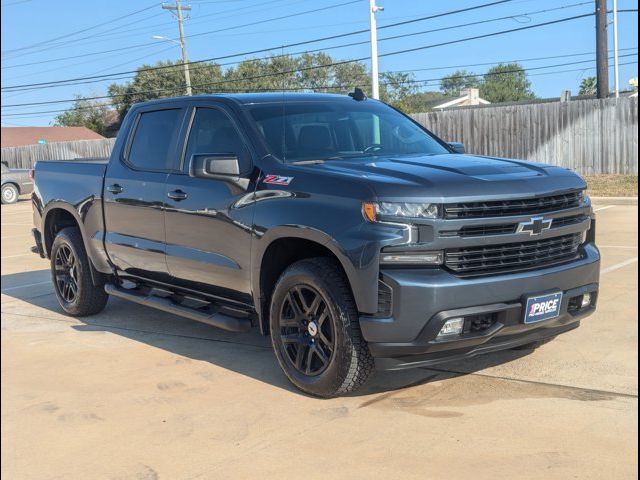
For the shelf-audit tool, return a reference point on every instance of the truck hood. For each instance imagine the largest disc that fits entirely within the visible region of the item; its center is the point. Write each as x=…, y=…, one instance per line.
x=451, y=177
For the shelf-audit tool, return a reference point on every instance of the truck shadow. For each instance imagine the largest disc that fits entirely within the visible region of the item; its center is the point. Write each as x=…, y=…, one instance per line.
x=248, y=354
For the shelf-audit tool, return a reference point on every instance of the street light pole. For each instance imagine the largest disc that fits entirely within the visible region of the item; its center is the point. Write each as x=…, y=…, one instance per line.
x=375, y=87
x=183, y=46
x=616, y=70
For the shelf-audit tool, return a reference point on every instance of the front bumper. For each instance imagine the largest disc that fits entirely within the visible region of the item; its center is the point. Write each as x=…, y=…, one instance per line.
x=424, y=299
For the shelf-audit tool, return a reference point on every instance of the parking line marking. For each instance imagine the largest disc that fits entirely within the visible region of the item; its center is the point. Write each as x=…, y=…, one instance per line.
x=618, y=266
x=626, y=247
x=25, y=234
x=24, y=286
x=533, y=382
x=604, y=208
x=16, y=256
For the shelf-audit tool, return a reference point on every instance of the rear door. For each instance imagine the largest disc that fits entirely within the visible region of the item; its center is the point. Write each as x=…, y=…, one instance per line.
x=208, y=226
x=134, y=198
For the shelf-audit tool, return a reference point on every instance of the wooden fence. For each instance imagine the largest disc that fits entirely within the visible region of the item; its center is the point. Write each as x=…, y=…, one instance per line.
x=589, y=136
x=26, y=156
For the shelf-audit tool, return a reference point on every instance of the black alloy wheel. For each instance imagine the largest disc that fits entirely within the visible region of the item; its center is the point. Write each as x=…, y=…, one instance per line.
x=306, y=330
x=71, y=274
x=66, y=274
x=315, y=329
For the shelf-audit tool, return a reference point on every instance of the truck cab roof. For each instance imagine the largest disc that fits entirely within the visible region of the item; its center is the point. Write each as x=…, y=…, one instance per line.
x=256, y=98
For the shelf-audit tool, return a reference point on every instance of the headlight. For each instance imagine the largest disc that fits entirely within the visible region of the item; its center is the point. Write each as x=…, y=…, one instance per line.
x=397, y=211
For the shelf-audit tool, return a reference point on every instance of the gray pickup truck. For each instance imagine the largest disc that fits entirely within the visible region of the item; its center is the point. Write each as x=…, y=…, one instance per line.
x=15, y=182
x=335, y=224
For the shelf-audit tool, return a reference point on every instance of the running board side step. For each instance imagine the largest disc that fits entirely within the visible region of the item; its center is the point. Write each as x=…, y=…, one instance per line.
x=226, y=322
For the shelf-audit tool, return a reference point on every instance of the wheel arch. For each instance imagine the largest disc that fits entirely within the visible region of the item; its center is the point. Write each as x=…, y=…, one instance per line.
x=280, y=248
x=58, y=216
x=55, y=219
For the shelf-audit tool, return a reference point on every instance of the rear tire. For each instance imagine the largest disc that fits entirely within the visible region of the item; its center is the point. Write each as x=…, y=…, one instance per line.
x=71, y=274
x=315, y=330
x=10, y=194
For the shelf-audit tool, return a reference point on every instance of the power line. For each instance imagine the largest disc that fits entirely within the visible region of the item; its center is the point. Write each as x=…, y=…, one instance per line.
x=129, y=47
x=138, y=29
x=316, y=88
x=82, y=30
x=398, y=52
x=516, y=60
x=177, y=88
x=106, y=33
x=331, y=37
x=513, y=60
x=95, y=79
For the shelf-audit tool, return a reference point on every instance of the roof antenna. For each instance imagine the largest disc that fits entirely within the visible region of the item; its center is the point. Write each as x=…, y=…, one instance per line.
x=358, y=95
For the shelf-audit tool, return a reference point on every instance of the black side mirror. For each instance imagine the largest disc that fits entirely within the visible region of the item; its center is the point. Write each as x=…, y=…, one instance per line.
x=457, y=147
x=219, y=166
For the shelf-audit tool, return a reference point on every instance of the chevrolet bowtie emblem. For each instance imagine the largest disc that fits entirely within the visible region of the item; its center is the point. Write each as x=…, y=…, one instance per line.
x=535, y=226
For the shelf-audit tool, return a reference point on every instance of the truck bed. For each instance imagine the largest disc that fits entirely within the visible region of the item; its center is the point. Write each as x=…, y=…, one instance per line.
x=75, y=186
x=73, y=180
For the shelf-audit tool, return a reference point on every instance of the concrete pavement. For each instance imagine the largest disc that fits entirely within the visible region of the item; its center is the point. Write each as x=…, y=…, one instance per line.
x=133, y=393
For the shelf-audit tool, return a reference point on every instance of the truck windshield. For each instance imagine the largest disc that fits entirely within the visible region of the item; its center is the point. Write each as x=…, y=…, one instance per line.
x=297, y=131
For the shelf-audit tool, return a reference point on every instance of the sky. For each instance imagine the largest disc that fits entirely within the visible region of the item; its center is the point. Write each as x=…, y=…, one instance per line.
x=45, y=41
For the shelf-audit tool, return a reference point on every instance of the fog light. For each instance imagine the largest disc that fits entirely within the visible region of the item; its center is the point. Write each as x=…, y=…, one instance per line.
x=453, y=326
x=586, y=300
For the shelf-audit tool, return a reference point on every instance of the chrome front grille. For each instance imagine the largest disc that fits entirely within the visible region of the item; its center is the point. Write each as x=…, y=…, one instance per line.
x=507, y=228
x=502, y=208
x=513, y=257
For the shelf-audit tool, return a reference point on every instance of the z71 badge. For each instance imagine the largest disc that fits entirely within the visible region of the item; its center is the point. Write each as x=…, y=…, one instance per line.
x=277, y=180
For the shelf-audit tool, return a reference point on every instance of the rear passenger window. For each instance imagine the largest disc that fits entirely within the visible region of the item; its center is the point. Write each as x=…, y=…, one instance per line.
x=153, y=143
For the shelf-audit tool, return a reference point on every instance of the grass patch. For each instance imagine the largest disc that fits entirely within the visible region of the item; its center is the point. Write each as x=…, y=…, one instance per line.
x=612, y=185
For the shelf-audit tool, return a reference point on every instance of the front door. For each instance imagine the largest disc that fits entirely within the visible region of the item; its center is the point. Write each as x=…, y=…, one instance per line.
x=208, y=230
x=134, y=197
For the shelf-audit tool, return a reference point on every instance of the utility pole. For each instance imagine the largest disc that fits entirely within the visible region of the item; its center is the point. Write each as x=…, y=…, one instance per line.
x=616, y=69
x=373, y=9
x=178, y=8
x=602, y=49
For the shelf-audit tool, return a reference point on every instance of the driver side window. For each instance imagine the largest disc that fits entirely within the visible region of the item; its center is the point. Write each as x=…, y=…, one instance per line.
x=213, y=132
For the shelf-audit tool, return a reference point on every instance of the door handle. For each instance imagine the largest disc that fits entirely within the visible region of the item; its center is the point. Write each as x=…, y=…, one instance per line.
x=115, y=189
x=177, y=195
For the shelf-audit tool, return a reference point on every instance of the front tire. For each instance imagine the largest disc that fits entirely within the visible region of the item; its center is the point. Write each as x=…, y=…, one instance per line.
x=315, y=330
x=71, y=274
x=10, y=194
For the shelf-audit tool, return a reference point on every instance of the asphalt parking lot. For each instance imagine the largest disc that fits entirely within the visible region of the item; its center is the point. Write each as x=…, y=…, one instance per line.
x=133, y=393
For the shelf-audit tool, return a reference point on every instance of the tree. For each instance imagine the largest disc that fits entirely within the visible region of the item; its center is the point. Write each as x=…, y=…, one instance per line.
x=94, y=115
x=421, y=101
x=453, y=85
x=164, y=82
x=506, y=82
x=588, y=86
x=275, y=73
x=346, y=76
x=396, y=87
x=316, y=72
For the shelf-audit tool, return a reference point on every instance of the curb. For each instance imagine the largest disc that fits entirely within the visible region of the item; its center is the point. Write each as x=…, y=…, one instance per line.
x=615, y=200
